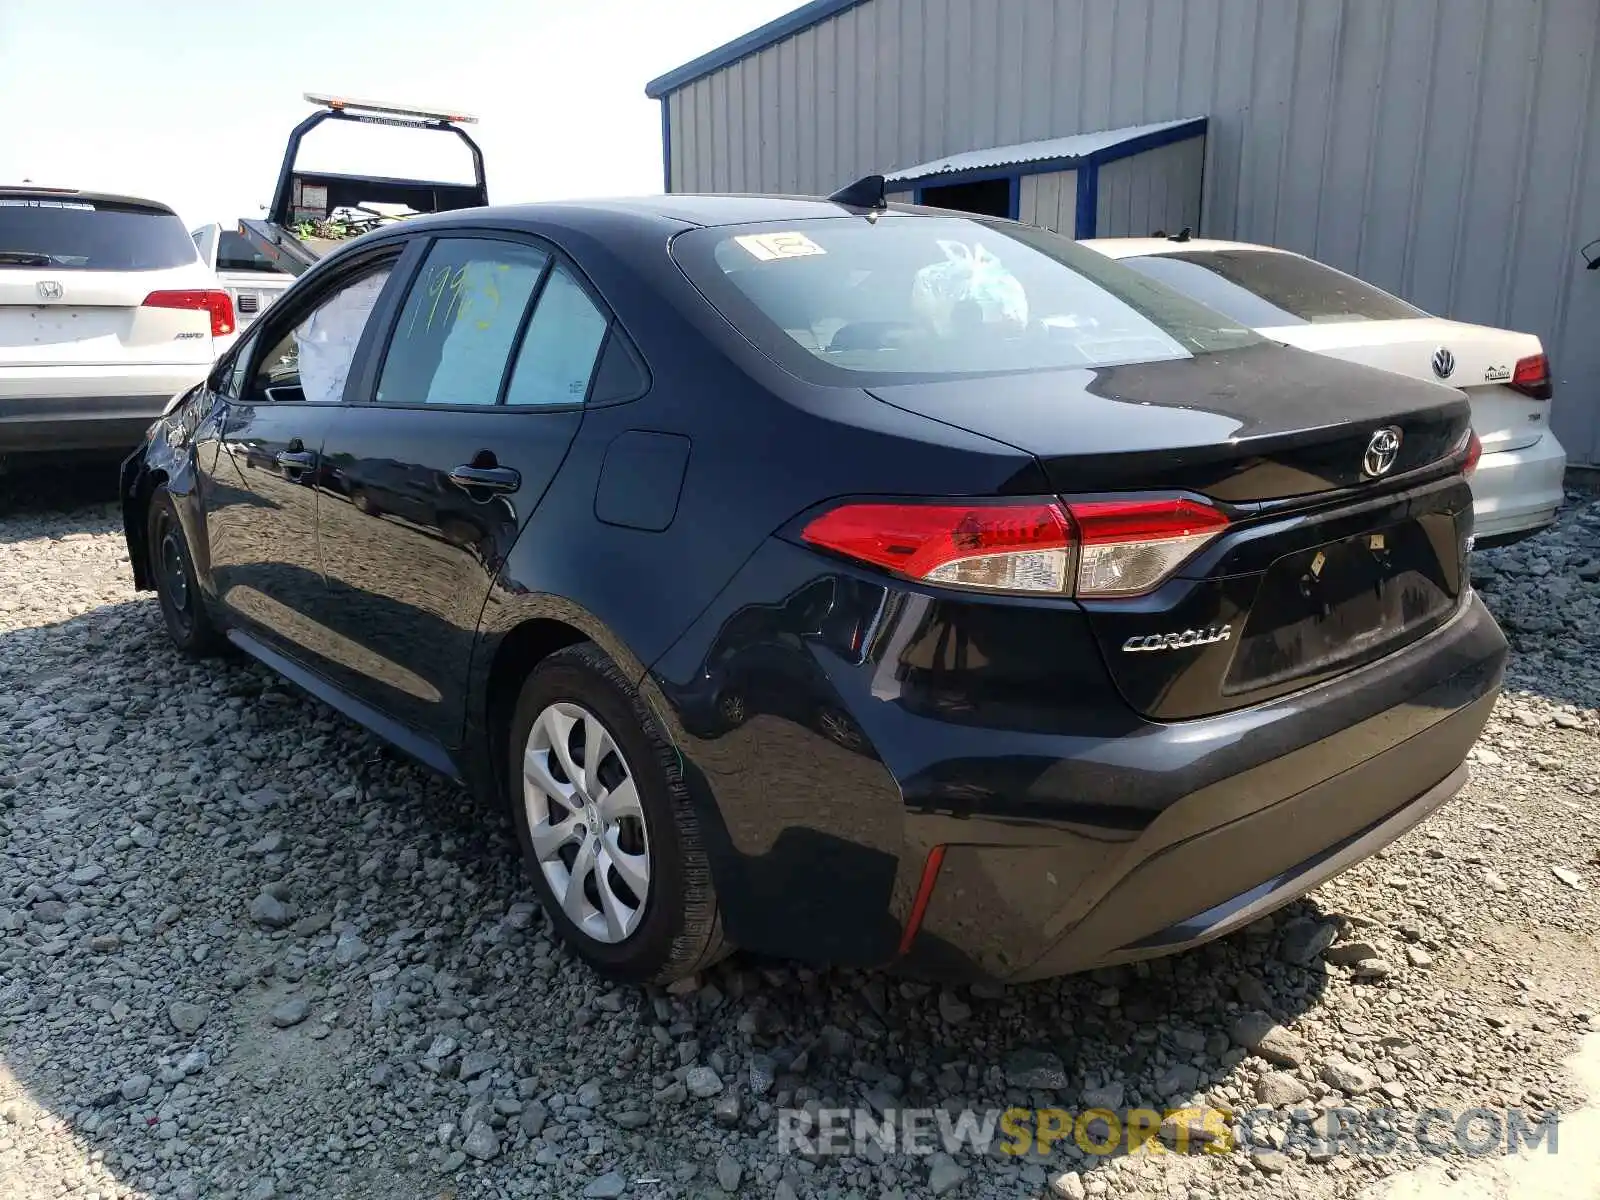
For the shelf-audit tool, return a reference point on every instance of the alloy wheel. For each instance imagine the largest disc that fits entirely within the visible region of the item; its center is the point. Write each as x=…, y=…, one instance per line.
x=586, y=822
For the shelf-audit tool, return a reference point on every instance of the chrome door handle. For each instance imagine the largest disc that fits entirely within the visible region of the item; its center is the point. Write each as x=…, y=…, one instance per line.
x=486, y=479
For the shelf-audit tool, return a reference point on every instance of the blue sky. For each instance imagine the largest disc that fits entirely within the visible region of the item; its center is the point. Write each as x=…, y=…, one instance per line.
x=190, y=103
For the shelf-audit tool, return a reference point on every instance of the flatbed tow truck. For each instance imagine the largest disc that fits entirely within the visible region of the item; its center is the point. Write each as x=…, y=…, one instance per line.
x=314, y=211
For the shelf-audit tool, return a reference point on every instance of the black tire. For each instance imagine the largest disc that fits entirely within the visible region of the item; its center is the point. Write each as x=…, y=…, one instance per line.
x=177, y=589
x=679, y=930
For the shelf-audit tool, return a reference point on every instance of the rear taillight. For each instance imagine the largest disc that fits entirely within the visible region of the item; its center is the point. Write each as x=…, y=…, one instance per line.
x=218, y=304
x=1532, y=377
x=1091, y=549
x=1130, y=546
x=1474, y=453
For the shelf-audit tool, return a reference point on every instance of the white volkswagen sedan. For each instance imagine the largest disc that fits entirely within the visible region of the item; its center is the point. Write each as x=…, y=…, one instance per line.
x=106, y=311
x=1304, y=303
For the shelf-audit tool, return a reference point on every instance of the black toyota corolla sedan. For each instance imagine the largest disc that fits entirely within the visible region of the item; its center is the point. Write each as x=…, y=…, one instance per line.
x=860, y=585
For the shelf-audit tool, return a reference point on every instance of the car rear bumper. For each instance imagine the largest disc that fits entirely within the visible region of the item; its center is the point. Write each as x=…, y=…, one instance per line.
x=77, y=423
x=1517, y=492
x=852, y=748
x=1226, y=853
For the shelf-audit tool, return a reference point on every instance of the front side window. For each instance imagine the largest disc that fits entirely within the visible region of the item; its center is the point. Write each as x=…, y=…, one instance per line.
x=312, y=361
x=1266, y=289
x=459, y=323
x=851, y=299
x=236, y=253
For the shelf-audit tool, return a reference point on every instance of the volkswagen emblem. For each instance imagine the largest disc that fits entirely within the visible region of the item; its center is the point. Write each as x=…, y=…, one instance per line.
x=1444, y=363
x=1382, y=449
x=48, y=289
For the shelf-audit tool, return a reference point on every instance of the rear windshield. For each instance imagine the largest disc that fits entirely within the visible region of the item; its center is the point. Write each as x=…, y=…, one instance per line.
x=850, y=299
x=235, y=253
x=1263, y=289
x=68, y=234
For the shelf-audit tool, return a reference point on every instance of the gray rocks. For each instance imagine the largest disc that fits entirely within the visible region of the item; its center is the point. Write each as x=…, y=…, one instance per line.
x=953, y=1008
x=476, y=1062
x=1068, y=1186
x=945, y=1174
x=729, y=1171
x=1040, y=1070
x=270, y=911
x=1260, y=1034
x=187, y=1018
x=1304, y=941
x=291, y=1012
x=1278, y=1089
x=482, y=1143
x=136, y=1087
x=702, y=1082
x=608, y=1187
x=1348, y=1077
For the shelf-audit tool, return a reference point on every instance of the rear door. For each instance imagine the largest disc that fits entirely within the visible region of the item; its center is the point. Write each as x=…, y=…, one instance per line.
x=468, y=416
x=77, y=277
x=262, y=470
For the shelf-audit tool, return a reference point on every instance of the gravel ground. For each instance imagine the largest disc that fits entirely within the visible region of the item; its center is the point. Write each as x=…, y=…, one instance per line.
x=244, y=952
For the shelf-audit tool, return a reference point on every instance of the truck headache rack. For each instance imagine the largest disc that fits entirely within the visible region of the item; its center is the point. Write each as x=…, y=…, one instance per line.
x=305, y=220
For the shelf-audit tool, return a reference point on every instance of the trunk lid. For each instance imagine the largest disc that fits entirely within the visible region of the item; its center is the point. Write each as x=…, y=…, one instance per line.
x=1322, y=567
x=1475, y=358
x=95, y=318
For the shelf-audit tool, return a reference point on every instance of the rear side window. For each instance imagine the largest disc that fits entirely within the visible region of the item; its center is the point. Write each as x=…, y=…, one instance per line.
x=71, y=234
x=459, y=323
x=850, y=299
x=1264, y=289
x=558, y=354
x=235, y=253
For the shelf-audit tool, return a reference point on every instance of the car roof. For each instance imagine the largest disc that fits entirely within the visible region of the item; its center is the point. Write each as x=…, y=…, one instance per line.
x=675, y=210
x=40, y=192
x=1140, y=247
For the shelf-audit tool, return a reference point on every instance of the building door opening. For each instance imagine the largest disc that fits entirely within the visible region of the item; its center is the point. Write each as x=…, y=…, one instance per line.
x=989, y=198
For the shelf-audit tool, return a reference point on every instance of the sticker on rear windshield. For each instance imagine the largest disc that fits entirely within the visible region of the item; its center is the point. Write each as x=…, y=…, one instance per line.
x=768, y=246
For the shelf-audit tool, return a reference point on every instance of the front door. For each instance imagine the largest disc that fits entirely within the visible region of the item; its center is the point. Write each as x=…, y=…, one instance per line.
x=474, y=403
x=260, y=481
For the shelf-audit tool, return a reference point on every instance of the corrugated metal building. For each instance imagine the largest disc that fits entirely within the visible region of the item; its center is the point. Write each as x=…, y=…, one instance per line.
x=1447, y=150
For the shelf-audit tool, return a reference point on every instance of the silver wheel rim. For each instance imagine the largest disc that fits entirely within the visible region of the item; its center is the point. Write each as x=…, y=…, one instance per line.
x=586, y=822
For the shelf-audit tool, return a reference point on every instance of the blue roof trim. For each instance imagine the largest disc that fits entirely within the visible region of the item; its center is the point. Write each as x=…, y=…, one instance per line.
x=666, y=144
x=756, y=40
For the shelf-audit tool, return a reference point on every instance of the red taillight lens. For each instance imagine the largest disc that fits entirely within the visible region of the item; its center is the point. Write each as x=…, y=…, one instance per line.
x=1101, y=548
x=998, y=547
x=218, y=304
x=1532, y=377
x=1474, y=453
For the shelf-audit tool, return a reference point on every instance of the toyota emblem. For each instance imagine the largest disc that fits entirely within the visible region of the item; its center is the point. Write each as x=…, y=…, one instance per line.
x=1444, y=363
x=48, y=289
x=1382, y=449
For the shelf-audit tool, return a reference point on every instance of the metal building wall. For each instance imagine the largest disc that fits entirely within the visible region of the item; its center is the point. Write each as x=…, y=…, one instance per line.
x=1050, y=200
x=1159, y=189
x=1448, y=150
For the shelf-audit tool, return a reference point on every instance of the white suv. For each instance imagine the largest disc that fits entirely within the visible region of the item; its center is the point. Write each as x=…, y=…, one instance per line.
x=106, y=311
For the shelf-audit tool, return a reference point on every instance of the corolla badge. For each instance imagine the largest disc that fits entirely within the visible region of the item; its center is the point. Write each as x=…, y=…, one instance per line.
x=1444, y=363
x=49, y=289
x=1178, y=641
x=1382, y=449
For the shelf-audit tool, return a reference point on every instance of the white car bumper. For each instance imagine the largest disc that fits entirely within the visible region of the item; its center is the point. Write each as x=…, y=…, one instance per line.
x=47, y=409
x=1517, y=492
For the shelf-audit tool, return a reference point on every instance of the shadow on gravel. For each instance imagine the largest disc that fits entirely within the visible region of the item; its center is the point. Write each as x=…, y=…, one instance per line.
x=241, y=943
x=58, y=491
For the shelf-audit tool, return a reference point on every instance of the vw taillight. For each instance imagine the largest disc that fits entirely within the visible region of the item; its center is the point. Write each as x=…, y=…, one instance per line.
x=1090, y=549
x=1531, y=377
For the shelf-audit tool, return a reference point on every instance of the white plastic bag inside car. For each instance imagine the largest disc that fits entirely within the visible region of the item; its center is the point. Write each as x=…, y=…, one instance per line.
x=326, y=341
x=971, y=276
